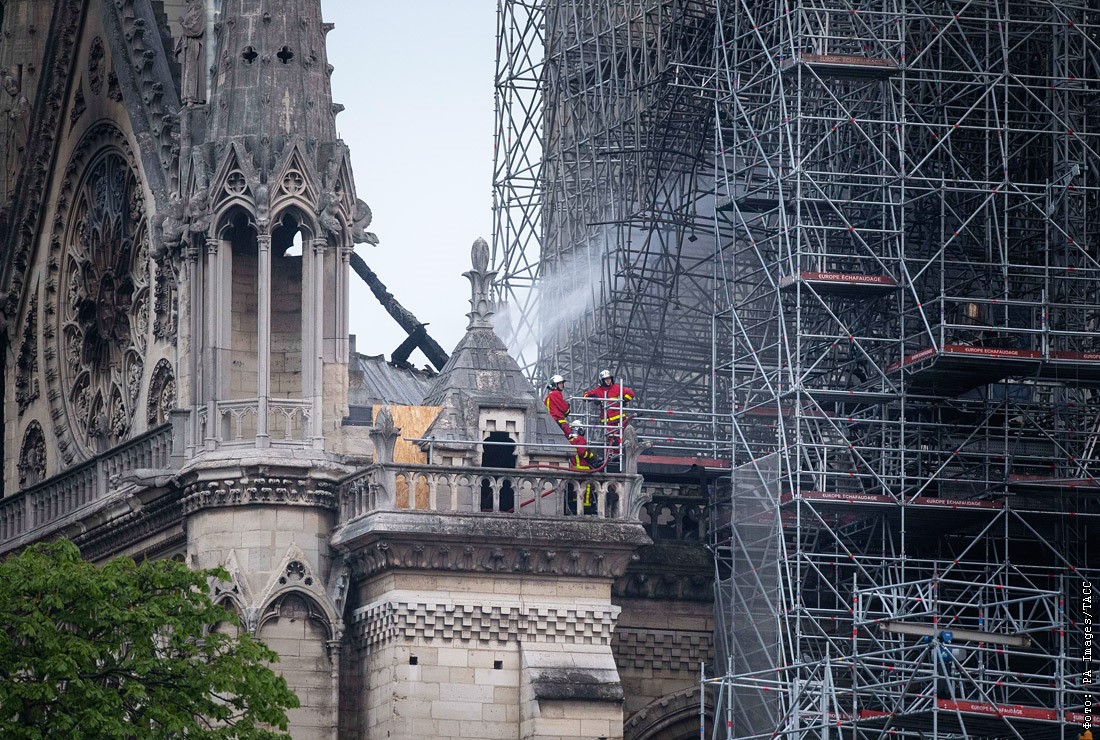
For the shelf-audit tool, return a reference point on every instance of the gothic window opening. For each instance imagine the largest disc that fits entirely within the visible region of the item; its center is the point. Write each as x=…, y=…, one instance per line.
x=287, y=279
x=26, y=365
x=498, y=452
x=162, y=394
x=244, y=309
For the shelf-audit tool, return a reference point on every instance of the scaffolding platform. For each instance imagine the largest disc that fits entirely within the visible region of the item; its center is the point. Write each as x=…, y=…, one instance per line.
x=843, y=498
x=661, y=463
x=850, y=395
x=1051, y=484
x=837, y=65
x=977, y=719
x=845, y=284
x=1078, y=368
x=758, y=200
x=957, y=368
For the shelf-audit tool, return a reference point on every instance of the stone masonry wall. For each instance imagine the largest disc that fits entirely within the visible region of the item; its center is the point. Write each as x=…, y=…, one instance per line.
x=484, y=656
x=278, y=558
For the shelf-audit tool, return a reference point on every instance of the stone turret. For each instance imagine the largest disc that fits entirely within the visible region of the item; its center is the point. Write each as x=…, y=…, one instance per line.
x=264, y=222
x=271, y=73
x=266, y=217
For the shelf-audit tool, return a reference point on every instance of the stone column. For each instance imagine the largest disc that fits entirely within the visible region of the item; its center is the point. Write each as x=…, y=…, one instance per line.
x=332, y=647
x=211, y=302
x=263, y=338
x=316, y=394
x=343, y=327
x=309, y=307
x=196, y=341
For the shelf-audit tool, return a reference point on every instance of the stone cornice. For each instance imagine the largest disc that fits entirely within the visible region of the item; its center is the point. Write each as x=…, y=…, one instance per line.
x=458, y=543
x=662, y=650
x=669, y=571
x=147, y=518
x=258, y=489
x=406, y=617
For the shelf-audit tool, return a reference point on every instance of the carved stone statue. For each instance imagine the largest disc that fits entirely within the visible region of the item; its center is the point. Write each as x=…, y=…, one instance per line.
x=19, y=115
x=170, y=227
x=328, y=210
x=191, y=51
x=360, y=220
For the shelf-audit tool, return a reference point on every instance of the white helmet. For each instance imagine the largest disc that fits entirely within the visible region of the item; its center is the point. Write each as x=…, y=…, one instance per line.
x=605, y=374
x=555, y=379
x=578, y=431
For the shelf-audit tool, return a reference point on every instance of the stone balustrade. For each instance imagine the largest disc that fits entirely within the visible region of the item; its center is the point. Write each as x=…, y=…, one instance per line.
x=32, y=513
x=506, y=492
x=290, y=423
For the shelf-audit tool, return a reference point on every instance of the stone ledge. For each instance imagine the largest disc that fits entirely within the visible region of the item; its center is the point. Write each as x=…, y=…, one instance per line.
x=573, y=684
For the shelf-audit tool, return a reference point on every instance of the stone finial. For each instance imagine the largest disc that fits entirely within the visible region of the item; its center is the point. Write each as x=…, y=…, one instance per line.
x=384, y=435
x=481, y=279
x=632, y=449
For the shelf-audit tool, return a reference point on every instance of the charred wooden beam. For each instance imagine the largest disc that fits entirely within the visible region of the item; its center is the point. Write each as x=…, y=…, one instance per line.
x=403, y=316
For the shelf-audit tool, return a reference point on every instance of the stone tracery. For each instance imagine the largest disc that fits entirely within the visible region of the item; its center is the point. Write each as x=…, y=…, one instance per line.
x=32, y=456
x=26, y=367
x=100, y=265
x=162, y=394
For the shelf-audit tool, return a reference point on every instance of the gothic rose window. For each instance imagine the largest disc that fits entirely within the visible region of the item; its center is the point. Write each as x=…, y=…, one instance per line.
x=104, y=315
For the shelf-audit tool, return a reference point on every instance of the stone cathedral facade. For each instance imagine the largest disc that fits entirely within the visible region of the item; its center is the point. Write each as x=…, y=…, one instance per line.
x=177, y=217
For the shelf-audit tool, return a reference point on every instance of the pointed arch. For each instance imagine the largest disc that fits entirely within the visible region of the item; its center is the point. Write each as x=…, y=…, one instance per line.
x=294, y=181
x=295, y=602
x=235, y=182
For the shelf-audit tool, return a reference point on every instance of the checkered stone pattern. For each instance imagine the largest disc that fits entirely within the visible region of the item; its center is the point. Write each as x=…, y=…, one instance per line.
x=387, y=621
x=662, y=649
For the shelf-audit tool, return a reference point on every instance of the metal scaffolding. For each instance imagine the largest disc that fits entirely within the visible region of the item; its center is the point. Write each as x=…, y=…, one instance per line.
x=603, y=180
x=869, y=233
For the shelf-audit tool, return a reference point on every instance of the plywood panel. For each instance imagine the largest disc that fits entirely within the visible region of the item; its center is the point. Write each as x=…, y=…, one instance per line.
x=413, y=421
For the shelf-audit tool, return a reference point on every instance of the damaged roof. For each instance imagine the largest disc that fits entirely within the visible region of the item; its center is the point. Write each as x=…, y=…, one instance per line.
x=372, y=380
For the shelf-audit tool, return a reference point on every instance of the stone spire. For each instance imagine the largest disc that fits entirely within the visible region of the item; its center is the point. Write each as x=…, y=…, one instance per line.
x=481, y=374
x=271, y=72
x=259, y=131
x=261, y=170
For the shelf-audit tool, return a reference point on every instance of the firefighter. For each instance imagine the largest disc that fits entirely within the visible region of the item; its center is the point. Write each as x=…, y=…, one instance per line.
x=583, y=459
x=557, y=405
x=611, y=396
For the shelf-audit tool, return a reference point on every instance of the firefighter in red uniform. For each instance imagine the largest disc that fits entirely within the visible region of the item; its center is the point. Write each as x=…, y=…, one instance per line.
x=611, y=396
x=557, y=405
x=583, y=459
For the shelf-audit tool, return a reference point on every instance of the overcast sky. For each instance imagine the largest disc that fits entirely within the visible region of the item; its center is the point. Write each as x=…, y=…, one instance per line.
x=416, y=80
